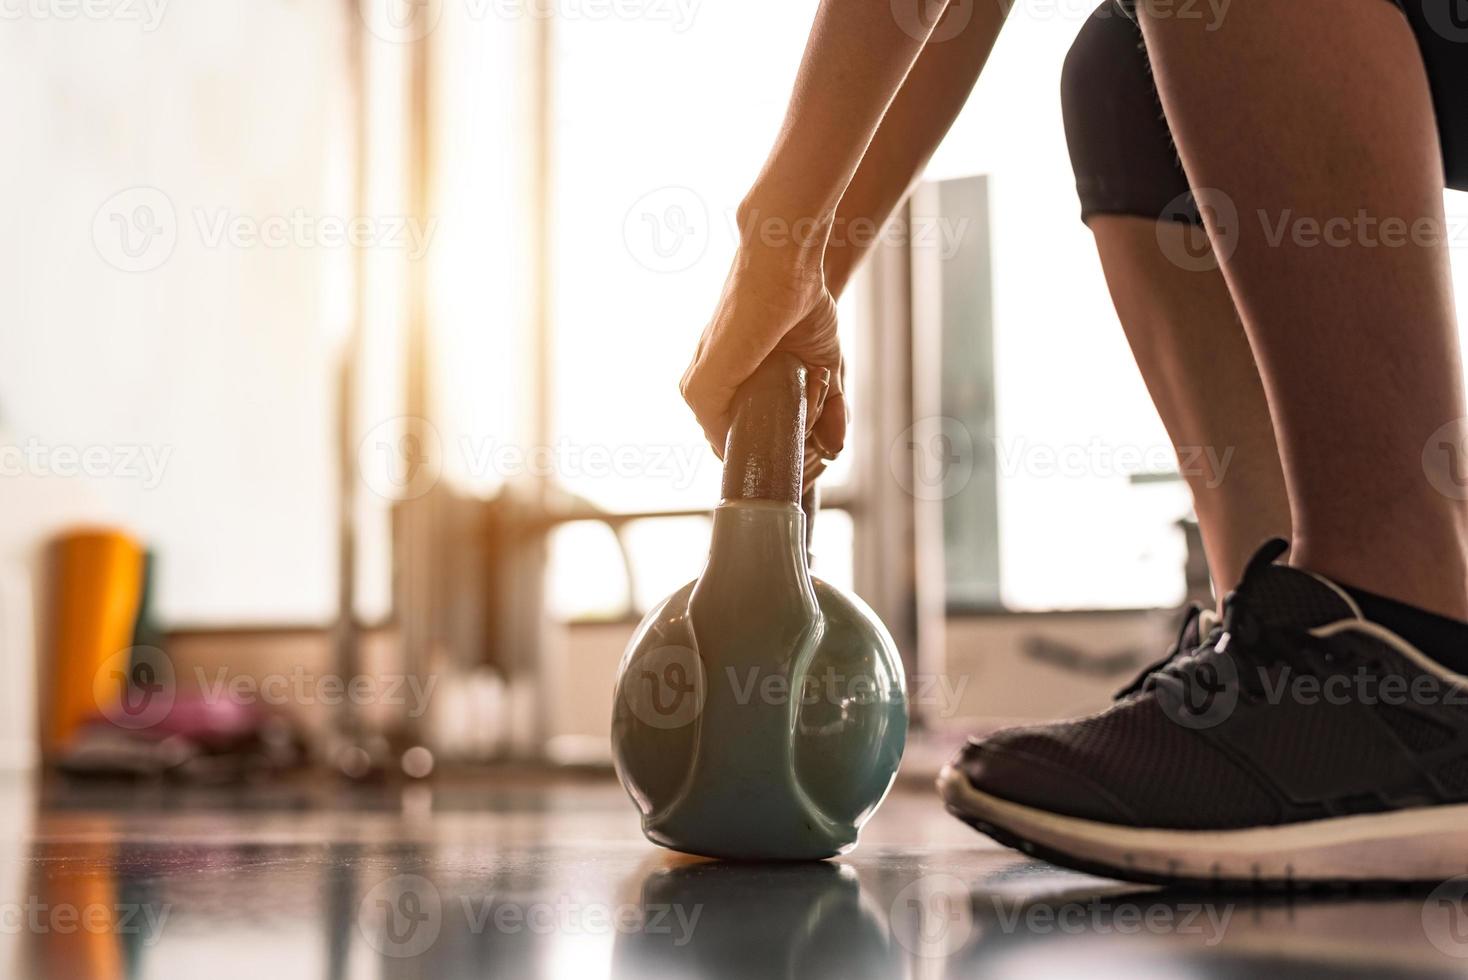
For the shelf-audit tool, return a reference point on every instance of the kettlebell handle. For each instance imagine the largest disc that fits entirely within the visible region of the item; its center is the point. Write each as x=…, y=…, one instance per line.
x=765, y=452
x=764, y=457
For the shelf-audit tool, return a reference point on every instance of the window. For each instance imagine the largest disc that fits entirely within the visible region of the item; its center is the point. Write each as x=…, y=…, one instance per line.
x=648, y=172
x=1073, y=422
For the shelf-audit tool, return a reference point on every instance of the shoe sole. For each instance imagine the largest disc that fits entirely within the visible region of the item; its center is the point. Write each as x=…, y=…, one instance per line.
x=1424, y=844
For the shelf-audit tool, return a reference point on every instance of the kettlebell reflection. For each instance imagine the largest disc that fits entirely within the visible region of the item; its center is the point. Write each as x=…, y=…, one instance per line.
x=756, y=920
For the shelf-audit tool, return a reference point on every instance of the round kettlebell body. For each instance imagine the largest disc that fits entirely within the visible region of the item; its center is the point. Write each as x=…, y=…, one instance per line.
x=759, y=713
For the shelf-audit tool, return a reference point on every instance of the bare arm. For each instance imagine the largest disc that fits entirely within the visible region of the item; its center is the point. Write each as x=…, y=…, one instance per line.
x=839, y=146
x=855, y=60
x=920, y=116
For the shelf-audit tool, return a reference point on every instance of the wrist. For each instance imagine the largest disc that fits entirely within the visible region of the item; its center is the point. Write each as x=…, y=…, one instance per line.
x=778, y=275
x=783, y=229
x=838, y=263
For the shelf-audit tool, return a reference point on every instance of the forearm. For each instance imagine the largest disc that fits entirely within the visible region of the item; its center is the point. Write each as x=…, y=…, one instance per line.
x=855, y=61
x=924, y=109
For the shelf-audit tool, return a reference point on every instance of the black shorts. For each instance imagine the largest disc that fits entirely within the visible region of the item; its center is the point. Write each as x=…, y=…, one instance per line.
x=1122, y=150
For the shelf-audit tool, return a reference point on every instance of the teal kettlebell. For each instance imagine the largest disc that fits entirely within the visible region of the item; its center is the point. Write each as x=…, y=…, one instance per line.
x=760, y=713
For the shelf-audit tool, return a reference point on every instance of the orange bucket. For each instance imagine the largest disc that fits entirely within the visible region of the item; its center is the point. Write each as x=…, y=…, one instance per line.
x=98, y=582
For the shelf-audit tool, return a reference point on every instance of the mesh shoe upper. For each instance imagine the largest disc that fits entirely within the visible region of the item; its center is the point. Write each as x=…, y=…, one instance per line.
x=1299, y=711
x=1129, y=765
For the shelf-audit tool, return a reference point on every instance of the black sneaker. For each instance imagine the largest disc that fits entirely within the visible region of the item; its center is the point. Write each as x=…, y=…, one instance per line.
x=1200, y=627
x=1306, y=746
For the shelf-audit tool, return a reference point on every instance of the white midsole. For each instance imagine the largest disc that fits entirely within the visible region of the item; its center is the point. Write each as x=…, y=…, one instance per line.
x=1420, y=844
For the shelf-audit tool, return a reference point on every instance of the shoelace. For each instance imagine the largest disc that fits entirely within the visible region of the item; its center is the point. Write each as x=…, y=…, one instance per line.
x=1255, y=648
x=1208, y=632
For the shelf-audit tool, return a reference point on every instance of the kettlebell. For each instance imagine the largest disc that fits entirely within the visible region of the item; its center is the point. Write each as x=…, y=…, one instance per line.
x=760, y=713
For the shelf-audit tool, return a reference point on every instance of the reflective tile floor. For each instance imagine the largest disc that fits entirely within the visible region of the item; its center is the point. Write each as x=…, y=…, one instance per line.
x=524, y=875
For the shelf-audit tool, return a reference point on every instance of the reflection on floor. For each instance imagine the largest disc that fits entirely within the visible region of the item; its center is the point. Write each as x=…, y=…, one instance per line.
x=524, y=875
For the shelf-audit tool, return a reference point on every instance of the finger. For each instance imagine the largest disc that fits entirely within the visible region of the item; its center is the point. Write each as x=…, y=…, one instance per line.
x=833, y=386
x=826, y=440
x=817, y=389
x=705, y=409
x=829, y=432
x=724, y=362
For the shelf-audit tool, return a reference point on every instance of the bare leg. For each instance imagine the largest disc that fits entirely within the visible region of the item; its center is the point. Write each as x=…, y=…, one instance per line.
x=1186, y=337
x=1320, y=110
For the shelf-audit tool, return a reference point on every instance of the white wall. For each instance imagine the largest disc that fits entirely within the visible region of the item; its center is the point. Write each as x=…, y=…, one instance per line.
x=199, y=383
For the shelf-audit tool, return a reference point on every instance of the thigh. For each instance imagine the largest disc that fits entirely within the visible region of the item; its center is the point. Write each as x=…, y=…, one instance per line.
x=1441, y=29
